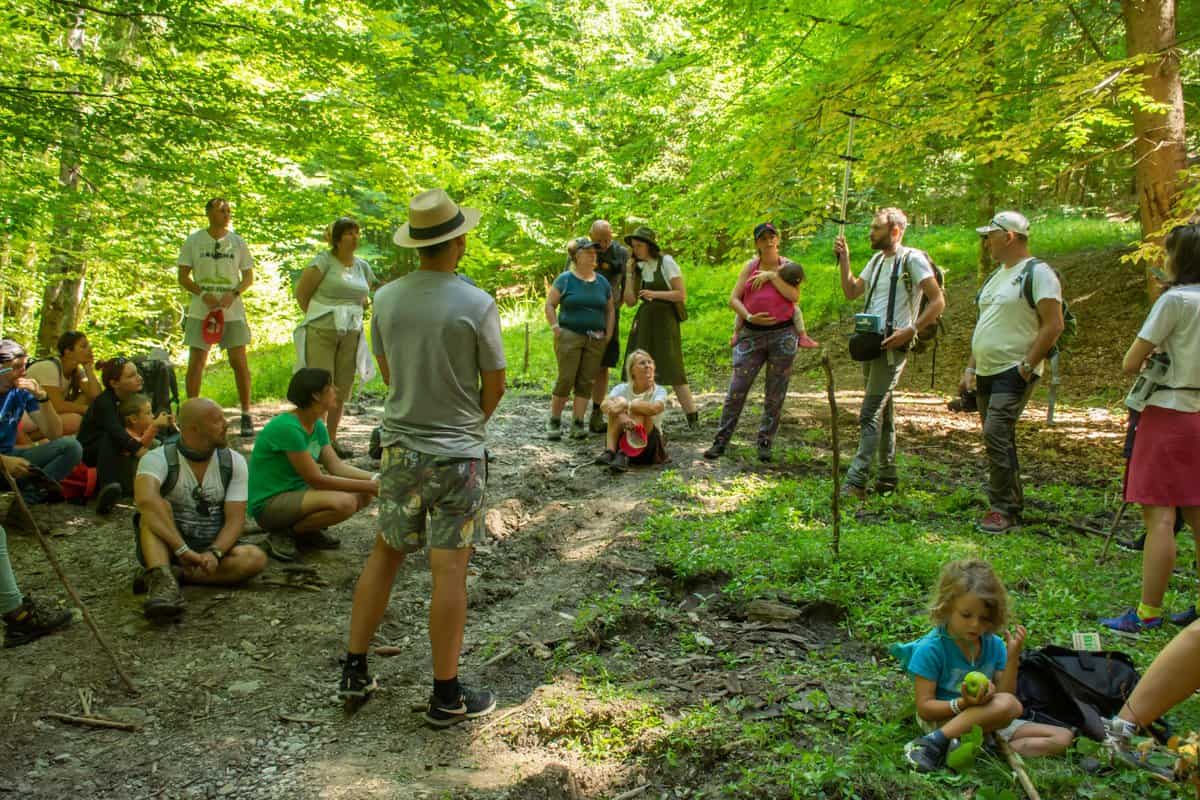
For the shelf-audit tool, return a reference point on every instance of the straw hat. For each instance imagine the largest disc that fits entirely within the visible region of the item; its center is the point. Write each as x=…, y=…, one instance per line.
x=434, y=218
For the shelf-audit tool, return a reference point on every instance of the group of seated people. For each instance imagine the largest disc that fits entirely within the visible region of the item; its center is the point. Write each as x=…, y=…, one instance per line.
x=191, y=491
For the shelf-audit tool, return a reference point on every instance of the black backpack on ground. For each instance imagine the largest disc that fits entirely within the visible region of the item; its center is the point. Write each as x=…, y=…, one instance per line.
x=1074, y=688
x=171, y=451
x=159, y=382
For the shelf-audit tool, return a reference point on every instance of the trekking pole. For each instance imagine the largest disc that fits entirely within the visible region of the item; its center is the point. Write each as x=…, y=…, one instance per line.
x=849, y=158
x=837, y=466
x=1112, y=532
x=66, y=582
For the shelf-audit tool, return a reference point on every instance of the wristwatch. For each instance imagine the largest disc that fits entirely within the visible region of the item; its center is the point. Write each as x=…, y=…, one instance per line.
x=218, y=552
x=1026, y=367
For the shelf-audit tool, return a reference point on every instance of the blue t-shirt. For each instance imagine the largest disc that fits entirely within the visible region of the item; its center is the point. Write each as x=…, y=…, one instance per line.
x=938, y=658
x=583, y=302
x=14, y=404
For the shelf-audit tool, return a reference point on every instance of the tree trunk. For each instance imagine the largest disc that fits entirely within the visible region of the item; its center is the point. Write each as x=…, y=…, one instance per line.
x=1160, y=151
x=60, y=300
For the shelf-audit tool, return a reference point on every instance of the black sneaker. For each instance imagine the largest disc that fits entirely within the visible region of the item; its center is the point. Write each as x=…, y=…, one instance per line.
x=885, y=487
x=597, y=423
x=356, y=684
x=320, y=540
x=33, y=619
x=247, y=428
x=107, y=498
x=375, y=448
x=693, y=420
x=764, y=453
x=1132, y=545
x=924, y=755
x=620, y=463
x=471, y=704
x=714, y=452
x=605, y=458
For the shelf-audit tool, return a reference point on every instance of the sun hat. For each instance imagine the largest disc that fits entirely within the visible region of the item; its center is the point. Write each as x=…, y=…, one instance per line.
x=434, y=218
x=213, y=326
x=644, y=234
x=1008, y=221
x=633, y=442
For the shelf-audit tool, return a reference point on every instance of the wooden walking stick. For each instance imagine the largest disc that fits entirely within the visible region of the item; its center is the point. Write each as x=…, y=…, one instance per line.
x=1112, y=532
x=1018, y=769
x=66, y=582
x=837, y=465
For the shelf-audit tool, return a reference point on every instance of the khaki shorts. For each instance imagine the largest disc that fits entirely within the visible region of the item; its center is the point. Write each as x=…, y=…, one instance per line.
x=1004, y=733
x=236, y=334
x=282, y=511
x=434, y=498
x=579, y=357
x=325, y=348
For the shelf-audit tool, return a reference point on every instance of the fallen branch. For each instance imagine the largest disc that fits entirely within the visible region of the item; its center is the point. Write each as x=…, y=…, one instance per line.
x=301, y=720
x=837, y=466
x=503, y=654
x=388, y=650
x=1018, y=769
x=66, y=582
x=632, y=792
x=92, y=722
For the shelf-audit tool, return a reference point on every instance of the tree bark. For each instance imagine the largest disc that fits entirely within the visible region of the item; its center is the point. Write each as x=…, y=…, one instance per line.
x=1160, y=150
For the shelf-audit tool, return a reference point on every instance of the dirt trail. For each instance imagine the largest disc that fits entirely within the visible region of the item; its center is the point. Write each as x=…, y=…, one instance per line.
x=237, y=700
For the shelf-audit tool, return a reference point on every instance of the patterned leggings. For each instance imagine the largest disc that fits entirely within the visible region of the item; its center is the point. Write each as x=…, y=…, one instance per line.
x=776, y=349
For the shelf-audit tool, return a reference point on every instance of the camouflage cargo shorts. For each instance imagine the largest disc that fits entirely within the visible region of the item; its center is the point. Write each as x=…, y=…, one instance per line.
x=418, y=491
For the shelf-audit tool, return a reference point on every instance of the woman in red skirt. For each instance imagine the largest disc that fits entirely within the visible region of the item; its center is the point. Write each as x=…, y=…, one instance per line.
x=1166, y=448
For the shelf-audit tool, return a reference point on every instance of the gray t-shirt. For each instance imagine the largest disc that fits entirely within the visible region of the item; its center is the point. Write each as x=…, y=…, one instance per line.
x=340, y=286
x=437, y=334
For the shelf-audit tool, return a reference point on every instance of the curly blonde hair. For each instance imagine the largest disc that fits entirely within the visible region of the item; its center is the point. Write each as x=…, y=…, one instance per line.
x=970, y=576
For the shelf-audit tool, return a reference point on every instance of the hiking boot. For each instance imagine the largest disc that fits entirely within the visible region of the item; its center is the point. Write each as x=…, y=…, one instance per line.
x=885, y=487
x=164, y=600
x=1184, y=618
x=356, y=684
x=108, y=497
x=1118, y=745
x=715, y=452
x=33, y=619
x=341, y=450
x=764, y=453
x=850, y=491
x=281, y=546
x=693, y=420
x=924, y=755
x=471, y=704
x=997, y=522
x=247, y=427
x=1133, y=545
x=1130, y=622
x=807, y=341
x=318, y=540
x=620, y=463
x=597, y=423
x=578, y=429
x=375, y=447
x=605, y=458
x=554, y=429
x=141, y=583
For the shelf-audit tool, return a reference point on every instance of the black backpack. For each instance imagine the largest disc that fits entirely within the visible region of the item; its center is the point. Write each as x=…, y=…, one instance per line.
x=1074, y=688
x=159, y=382
x=171, y=451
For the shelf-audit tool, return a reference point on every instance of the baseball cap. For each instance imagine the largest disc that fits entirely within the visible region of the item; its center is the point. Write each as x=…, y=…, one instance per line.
x=10, y=350
x=1009, y=221
x=633, y=442
x=762, y=228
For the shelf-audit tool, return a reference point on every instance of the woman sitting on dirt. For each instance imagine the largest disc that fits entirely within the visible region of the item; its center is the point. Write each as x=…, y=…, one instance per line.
x=290, y=496
x=1166, y=448
x=579, y=308
x=654, y=279
x=764, y=299
x=69, y=381
x=107, y=446
x=333, y=291
x=635, y=410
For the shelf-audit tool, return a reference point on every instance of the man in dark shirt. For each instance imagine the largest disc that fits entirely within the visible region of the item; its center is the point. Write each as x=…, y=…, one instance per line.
x=610, y=262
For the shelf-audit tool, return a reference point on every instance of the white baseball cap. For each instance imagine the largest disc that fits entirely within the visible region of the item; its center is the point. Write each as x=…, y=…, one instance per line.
x=1009, y=221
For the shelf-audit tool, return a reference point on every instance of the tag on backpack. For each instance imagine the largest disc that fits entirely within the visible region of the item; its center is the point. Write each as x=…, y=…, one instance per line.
x=1088, y=642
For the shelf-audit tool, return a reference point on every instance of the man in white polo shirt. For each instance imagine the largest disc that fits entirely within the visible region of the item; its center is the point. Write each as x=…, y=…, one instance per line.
x=1012, y=339
x=216, y=268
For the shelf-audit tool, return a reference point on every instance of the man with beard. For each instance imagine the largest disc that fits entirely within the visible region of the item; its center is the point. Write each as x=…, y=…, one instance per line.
x=191, y=500
x=894, y=279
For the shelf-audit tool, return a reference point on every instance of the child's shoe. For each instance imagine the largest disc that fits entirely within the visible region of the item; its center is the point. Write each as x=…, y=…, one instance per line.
x=924, y=754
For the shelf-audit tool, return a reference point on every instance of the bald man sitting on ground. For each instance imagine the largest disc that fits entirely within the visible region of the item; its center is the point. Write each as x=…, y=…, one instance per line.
x=191, y=500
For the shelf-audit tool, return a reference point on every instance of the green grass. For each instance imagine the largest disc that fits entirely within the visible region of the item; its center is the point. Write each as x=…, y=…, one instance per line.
x=710, y=324
x=770, y=535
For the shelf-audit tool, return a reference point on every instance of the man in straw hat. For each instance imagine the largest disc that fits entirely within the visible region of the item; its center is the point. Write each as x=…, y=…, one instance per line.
x=438, y=344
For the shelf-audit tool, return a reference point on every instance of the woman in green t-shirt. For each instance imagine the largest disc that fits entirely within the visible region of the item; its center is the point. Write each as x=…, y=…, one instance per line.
x=290, y=496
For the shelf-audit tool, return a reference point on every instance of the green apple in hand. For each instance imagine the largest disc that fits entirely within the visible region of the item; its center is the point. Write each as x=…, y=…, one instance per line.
x=975, y=684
